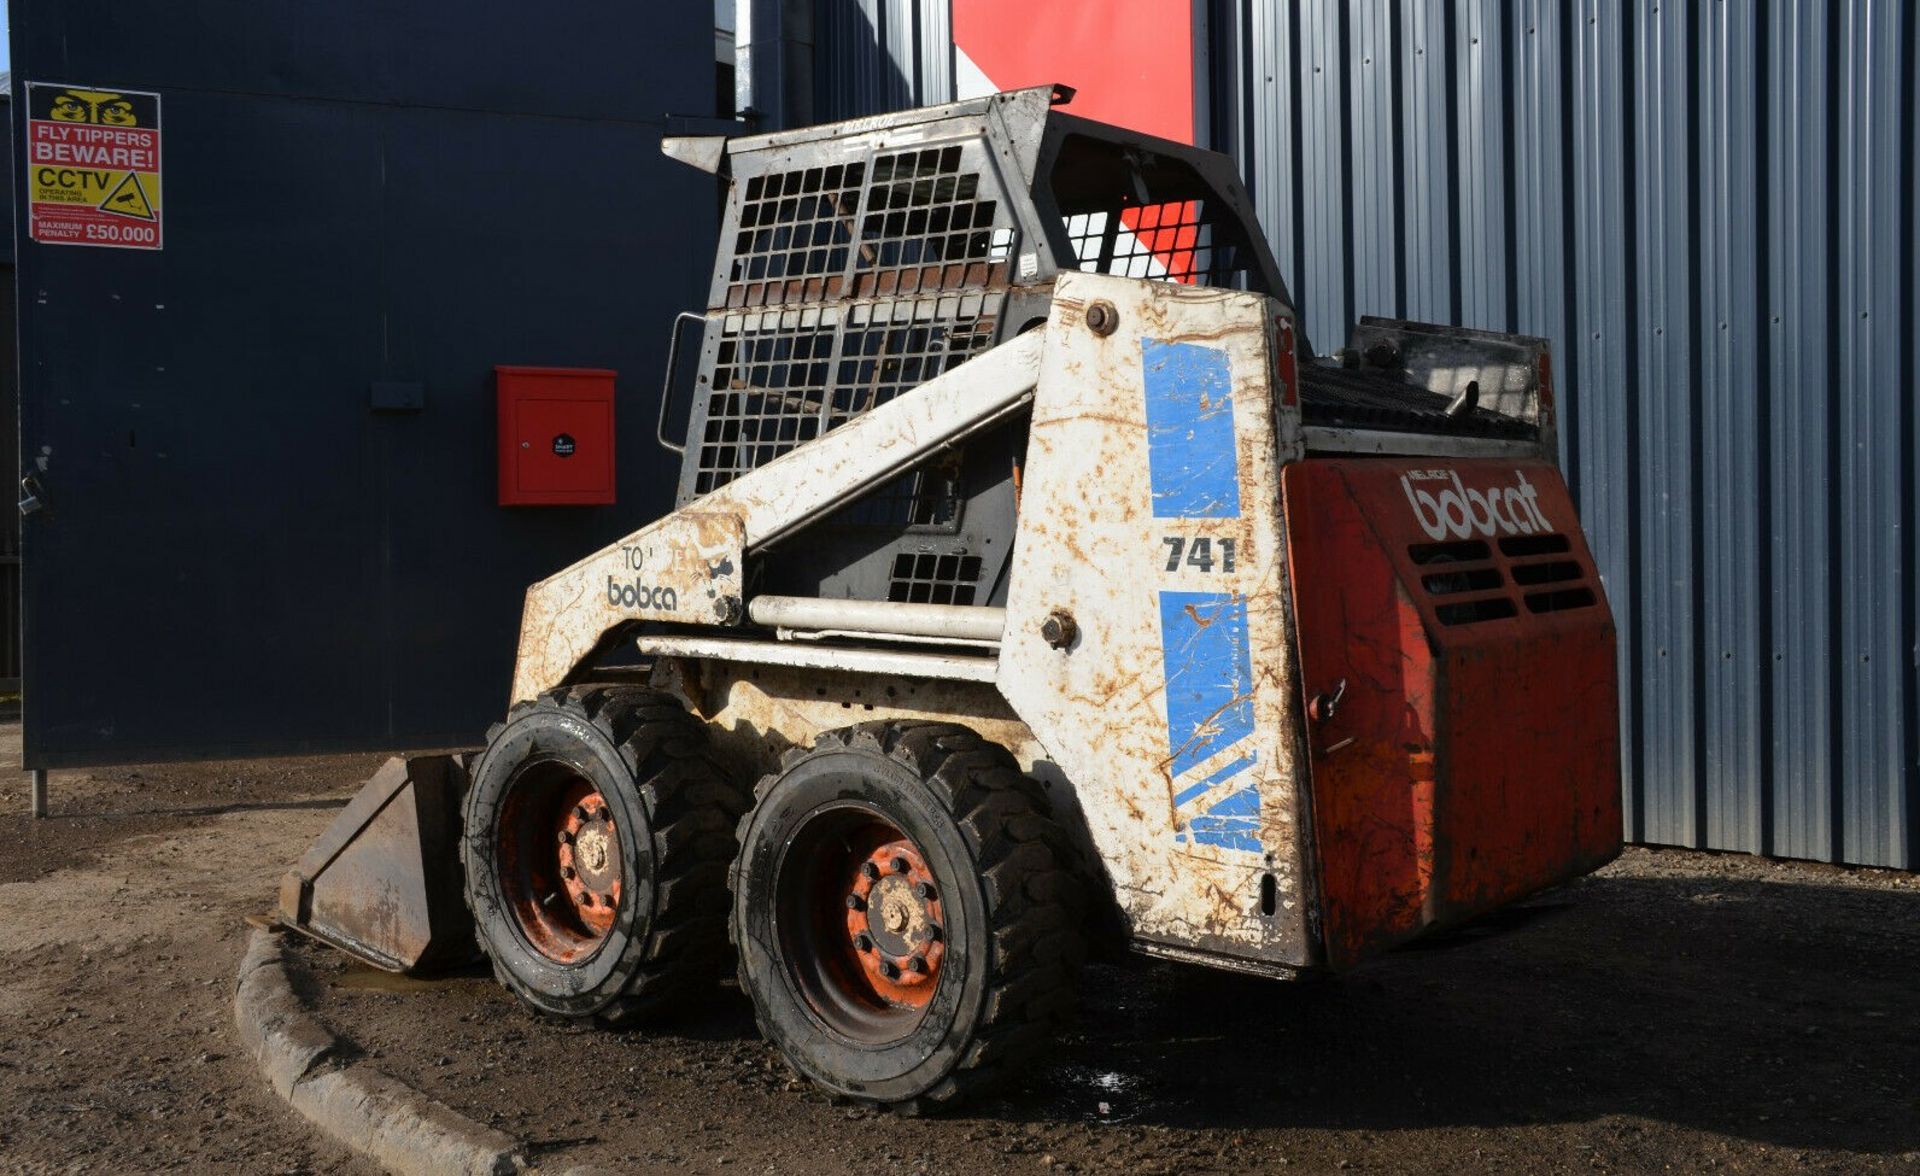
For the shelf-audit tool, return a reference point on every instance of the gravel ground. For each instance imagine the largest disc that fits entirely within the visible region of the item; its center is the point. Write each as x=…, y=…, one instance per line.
x=120, y=931
x=1679, y=1011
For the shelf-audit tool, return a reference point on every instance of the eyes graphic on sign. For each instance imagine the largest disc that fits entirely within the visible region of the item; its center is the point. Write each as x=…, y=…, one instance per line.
x=93, y=106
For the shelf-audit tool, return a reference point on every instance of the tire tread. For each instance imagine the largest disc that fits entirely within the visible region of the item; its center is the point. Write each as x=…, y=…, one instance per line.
x=691, y=806
x=1033, y=896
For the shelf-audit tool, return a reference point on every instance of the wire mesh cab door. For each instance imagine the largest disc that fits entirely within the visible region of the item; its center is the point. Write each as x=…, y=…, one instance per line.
x=856, y=263
x=862, y=259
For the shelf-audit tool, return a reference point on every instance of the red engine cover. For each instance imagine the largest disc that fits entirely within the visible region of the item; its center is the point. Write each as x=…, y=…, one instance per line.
x=1474, y=756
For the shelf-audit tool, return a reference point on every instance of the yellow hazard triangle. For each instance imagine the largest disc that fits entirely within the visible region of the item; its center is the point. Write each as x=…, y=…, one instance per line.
x=128, y=198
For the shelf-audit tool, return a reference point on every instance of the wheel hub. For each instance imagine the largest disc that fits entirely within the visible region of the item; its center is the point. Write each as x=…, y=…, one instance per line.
x=894, y=923
x=590, y=860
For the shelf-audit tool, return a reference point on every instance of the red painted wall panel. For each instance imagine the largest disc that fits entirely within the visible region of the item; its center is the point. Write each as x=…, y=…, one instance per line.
x=1131, y=65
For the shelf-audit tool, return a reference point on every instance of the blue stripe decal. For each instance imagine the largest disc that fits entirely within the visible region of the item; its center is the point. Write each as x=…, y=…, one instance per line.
x=1234, y=823
x=1192, y=462
x=1232, y=769
x=1209, y=673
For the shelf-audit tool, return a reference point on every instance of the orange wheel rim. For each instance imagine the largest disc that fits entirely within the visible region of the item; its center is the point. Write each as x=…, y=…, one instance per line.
x=560, y=870
x=862, y=923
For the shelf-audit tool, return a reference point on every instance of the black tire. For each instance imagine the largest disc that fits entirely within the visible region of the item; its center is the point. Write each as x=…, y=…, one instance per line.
x=1002, y=908
x=668, y=815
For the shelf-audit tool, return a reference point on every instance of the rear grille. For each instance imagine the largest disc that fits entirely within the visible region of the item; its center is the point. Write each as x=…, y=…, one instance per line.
x=1470, y=584
x=1470, y=580
x=1467, y=612
x=1521, y=546
x=1566, y=598
x=1457, y=552
x=1546, y=573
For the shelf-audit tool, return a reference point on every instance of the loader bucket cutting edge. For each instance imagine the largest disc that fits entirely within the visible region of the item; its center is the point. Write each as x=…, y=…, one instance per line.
x=383, y=883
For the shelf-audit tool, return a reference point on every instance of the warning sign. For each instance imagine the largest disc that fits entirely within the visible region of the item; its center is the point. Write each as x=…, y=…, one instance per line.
x=93, y=166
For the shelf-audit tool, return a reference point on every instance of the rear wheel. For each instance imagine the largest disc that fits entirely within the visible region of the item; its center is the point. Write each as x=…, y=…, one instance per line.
x=596, y=840
x=905, y=927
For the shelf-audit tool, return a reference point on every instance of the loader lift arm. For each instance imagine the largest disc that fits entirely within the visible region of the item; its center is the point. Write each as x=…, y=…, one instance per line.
x=689, y=566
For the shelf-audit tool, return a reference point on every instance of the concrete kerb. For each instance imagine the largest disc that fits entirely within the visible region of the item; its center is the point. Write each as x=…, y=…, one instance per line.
x=384, y=1119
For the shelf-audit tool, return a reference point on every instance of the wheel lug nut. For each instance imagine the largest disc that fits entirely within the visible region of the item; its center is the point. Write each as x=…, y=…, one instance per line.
x=566, y=838
x=869, y=871
x=580, y=811
x=889, y=969
x=856, y=903
x=900, y=865
x=918, y=964
x=924, y=892
x=566, y=871
x=863, y=941
x=935, y=933
x=586, y=898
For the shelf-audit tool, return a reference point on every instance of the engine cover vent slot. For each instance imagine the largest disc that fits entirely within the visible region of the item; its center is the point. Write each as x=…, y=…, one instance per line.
x=1472, y=582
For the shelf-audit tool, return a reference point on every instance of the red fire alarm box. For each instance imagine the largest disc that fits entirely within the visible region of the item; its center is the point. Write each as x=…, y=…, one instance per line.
x=556, y=436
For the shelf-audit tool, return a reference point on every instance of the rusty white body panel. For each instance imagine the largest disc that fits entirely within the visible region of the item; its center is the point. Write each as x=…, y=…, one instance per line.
x=1151, y=516
x=759, y=710
x=686, y=567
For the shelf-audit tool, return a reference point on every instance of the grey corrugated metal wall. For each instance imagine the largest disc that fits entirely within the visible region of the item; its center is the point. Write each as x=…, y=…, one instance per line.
x=874, y=56
x=1709, y=208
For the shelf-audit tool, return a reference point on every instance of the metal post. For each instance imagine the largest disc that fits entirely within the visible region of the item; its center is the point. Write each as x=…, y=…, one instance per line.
x=39, y=792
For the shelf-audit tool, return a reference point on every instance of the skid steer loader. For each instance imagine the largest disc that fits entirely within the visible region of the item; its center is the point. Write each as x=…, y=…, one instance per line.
x=1031, y=582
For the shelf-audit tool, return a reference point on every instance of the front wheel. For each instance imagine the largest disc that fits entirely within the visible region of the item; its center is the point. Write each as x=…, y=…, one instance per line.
x=597, y=835
x=905, y=928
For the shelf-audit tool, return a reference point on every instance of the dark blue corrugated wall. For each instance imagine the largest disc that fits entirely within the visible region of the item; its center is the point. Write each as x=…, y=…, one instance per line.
x=1709, y=208
x=236, y=554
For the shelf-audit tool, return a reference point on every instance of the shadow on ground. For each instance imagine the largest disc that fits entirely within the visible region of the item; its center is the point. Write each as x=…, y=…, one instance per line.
x=1777, y=1013
x=1640, y=1020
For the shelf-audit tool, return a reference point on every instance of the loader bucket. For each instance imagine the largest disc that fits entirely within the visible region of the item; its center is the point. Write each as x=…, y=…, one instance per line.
x=383, y=883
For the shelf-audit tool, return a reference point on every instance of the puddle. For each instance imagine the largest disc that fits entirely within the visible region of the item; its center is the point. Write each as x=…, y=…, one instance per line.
x=1103, y=1096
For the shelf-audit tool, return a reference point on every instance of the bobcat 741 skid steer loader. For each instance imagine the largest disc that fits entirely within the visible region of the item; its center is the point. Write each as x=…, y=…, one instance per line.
x=1049, y=589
